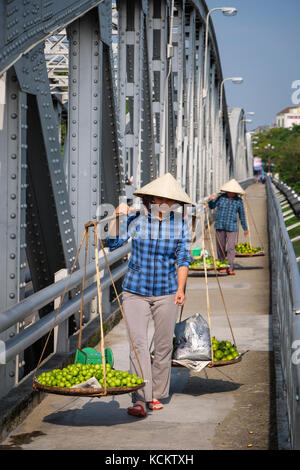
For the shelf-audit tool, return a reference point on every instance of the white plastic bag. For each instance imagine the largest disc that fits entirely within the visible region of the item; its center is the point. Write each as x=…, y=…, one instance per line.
x=192, y=339
x=90, y=383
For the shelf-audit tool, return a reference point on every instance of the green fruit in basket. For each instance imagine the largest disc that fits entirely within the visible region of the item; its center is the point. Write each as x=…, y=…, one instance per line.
x=75, y=374
x=218, y=354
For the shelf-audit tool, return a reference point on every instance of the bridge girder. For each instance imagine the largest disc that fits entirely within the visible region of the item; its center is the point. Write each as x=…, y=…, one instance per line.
x=132, y=103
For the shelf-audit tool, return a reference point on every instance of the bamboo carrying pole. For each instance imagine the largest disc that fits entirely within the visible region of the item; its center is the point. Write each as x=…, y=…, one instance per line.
x=207, y=293
x=60, y=304
x=217, y=274
x=254, y=224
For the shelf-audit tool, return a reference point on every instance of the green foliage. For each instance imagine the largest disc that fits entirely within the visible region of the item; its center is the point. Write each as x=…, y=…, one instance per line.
x=281, y=146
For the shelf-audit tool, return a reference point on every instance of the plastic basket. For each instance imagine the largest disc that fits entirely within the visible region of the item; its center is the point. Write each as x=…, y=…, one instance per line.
x=196, y=251
x=91, y=356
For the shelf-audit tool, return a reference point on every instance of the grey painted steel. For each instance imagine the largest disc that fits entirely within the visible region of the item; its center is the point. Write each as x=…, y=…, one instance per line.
x=112, y=170
x=286, y=307
x=178, y=70
x=13, y=214
x=158, y=39
x=36, y=301
x=84, y=123
x=168, y=126
x=25, y=24
x=43, y=326
x=242, y=166
x=136, y=128
x=33, y=79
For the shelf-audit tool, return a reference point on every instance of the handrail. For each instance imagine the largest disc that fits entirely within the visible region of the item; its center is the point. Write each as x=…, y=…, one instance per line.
x=43, y=297
x=285, y=309
x=38, y=329
x=295, y=276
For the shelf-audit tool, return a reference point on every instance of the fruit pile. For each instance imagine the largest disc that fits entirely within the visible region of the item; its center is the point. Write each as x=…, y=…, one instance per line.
x=246, y=248
x=199, y=263
x=224, y=350
x=75, y=374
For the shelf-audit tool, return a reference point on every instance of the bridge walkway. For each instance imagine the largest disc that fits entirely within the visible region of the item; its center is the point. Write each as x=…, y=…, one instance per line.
x=229, y=407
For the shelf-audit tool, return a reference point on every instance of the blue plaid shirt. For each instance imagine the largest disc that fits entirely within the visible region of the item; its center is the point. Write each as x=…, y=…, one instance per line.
x=227, y=212
x=157, y=247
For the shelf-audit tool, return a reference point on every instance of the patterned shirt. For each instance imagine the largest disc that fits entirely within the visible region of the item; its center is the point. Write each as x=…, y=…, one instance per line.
x=157, y=247
x=227, y=212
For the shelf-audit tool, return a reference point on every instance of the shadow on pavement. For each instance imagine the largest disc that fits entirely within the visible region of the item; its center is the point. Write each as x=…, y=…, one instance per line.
x=197, y=386
x=93, y=413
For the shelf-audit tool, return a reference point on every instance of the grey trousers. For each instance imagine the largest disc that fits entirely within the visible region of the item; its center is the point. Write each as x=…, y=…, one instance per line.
x=226, y=238
x=138, y=310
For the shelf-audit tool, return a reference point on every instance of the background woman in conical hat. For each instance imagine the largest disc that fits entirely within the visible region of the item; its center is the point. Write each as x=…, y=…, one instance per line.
x=153, y=286
x=229, y=207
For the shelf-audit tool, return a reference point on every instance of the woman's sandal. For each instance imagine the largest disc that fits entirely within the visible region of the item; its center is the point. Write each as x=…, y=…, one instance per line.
x=230, y=272
x=137, y=410
x=155, y=405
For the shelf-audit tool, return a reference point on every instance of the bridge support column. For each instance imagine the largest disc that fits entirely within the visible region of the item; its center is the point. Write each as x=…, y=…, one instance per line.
x=135, y=98
x=12, y=216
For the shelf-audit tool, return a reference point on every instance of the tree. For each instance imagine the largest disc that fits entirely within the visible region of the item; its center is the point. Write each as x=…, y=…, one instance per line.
x=281, y=146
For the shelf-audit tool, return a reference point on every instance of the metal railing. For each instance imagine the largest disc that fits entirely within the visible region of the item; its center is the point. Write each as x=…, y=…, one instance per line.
x=39, y=328
x=286, y=308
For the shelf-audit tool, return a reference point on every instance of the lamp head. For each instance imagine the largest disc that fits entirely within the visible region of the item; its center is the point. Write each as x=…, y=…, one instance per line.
x=237, y=80
x=229, y=11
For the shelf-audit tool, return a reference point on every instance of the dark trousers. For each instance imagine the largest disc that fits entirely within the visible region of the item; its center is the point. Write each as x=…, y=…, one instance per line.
x=226, y=245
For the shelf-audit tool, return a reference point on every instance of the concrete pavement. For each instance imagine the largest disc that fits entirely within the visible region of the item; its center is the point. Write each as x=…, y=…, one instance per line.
x=229, y=407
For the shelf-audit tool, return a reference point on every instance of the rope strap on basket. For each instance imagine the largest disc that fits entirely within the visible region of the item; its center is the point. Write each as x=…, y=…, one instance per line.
x=217, y=274
x=85, y=237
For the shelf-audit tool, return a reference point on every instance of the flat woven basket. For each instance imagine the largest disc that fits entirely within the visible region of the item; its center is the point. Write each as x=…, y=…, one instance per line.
x=249, y=255
x=224, y=363
x=86, y=392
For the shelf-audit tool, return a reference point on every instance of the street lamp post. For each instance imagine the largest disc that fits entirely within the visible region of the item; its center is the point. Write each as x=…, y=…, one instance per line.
x=236, y=80
x=227, y=11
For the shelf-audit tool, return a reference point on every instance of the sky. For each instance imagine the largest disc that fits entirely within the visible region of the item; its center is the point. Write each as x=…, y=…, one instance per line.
x=261, y=44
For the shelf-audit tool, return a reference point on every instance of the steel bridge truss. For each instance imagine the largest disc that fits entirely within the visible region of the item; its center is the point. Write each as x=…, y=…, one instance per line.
x=91, y=92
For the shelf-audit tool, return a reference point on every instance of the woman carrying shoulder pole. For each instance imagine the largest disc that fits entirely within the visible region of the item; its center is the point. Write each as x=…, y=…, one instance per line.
x=154, y=284
x=229, y=206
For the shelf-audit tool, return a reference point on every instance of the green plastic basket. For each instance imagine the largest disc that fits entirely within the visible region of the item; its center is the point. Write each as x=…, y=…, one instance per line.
x=91, y=356
x=196, y=251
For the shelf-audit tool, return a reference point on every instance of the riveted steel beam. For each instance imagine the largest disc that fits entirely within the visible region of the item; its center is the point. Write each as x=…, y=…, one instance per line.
x=178, y=69
x=112, y=170
x=84, y=123
x=190, y=29
x=46, y=162
x=13, y=211
x=49, y=230
x=134, y=105
x=158, y=39
x=27, y=23
x=199, y=177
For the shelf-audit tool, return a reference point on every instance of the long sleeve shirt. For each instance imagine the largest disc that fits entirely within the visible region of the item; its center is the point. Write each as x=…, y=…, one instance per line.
x=228, y=211
x=157, y=247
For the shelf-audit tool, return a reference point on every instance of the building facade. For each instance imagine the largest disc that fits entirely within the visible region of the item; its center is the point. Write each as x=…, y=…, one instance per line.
x=288, y=117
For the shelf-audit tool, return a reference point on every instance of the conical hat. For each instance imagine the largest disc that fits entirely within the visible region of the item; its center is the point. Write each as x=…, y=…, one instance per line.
x=233, y=186
x=165, y=186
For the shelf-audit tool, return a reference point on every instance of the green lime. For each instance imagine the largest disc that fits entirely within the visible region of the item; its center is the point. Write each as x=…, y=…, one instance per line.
x=218, y=354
